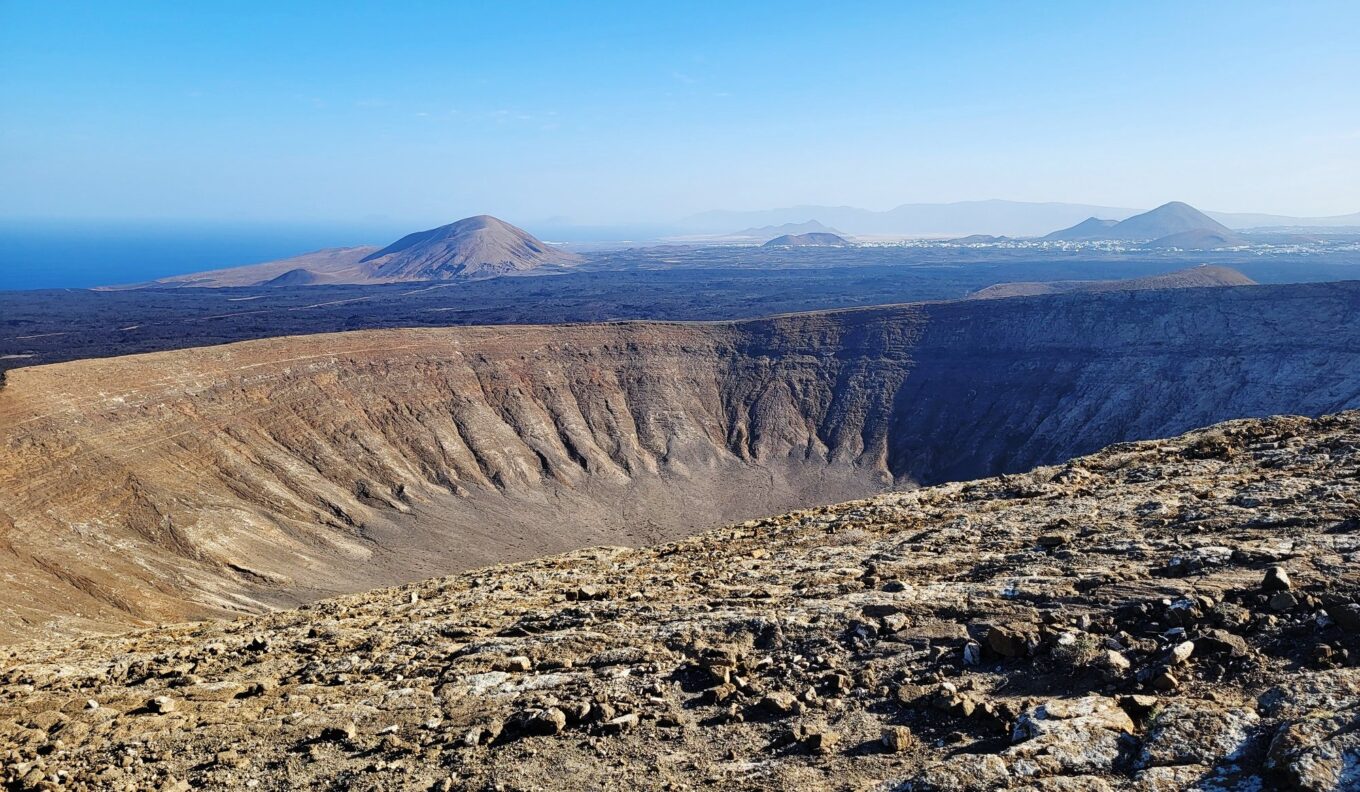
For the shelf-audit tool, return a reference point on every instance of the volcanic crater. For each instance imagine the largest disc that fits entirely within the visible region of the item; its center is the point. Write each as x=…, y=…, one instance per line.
x=233, y=479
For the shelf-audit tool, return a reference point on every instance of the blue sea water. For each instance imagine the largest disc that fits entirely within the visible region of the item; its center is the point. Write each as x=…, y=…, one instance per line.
x=51, y=254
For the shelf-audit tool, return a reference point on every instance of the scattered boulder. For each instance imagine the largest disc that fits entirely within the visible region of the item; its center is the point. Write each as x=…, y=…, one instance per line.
x=819, y=739
x=161, y=705
x=1163, y=680
x=339, y=732
x=779, y=704
x=897, y=739
x=517, y=664
x=621, y=724
x=546, y=721
x=948, y=698
x=719, y=694
x=588, y=593
x=1011, y=640
x=1114, y=662
x=483, y=734
x=879, y=610
x=577, y=711
x=1276, y=579
x=837, y=684
x=1282, y=601
x=1221, y=643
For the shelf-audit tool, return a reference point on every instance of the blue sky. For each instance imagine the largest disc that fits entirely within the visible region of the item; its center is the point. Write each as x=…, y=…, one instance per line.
x=412, y=113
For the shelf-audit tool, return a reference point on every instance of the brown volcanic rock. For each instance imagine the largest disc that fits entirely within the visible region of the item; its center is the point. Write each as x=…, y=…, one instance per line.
x=237, y=478
x=427, y=686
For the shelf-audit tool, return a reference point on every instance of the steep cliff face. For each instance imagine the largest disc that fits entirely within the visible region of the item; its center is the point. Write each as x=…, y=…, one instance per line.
x=232, y=478
x=1038, y=380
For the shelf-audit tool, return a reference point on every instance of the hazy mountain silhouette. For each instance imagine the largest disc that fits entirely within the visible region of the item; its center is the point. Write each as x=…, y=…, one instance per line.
x=765, y=233
x=1090, y=228
x=1200, y=239
x=1169, y=218
x=1240, y=220
x=993, y=217
x=807, y=240
x=979, y=239
x=1010, y=218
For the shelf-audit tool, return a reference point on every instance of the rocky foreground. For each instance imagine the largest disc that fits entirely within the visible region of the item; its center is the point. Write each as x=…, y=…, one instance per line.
x=1178, y=614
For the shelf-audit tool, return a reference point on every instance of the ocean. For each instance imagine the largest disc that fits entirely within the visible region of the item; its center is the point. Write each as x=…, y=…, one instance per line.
x=54, y=255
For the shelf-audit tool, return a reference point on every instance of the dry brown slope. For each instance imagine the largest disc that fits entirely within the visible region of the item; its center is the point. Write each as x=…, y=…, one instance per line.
x=268, y=472
x=1112, y=623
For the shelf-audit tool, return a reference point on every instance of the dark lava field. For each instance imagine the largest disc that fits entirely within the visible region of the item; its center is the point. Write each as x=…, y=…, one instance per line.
x=662, y=283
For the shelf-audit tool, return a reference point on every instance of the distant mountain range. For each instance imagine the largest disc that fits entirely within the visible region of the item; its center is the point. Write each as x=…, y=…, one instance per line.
x=1241, y=220
x=474, y=247
x=485, y=247
x=766, y=233
x=1173, y=224
x=814, y=239
x=1011, y=218
x=994, y=217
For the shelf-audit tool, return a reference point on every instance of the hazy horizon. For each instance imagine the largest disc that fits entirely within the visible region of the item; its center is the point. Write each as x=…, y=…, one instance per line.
x=610, y=114
x=56, y=253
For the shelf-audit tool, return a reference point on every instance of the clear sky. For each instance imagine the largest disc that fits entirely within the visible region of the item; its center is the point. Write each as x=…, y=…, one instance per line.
x=628, y=112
